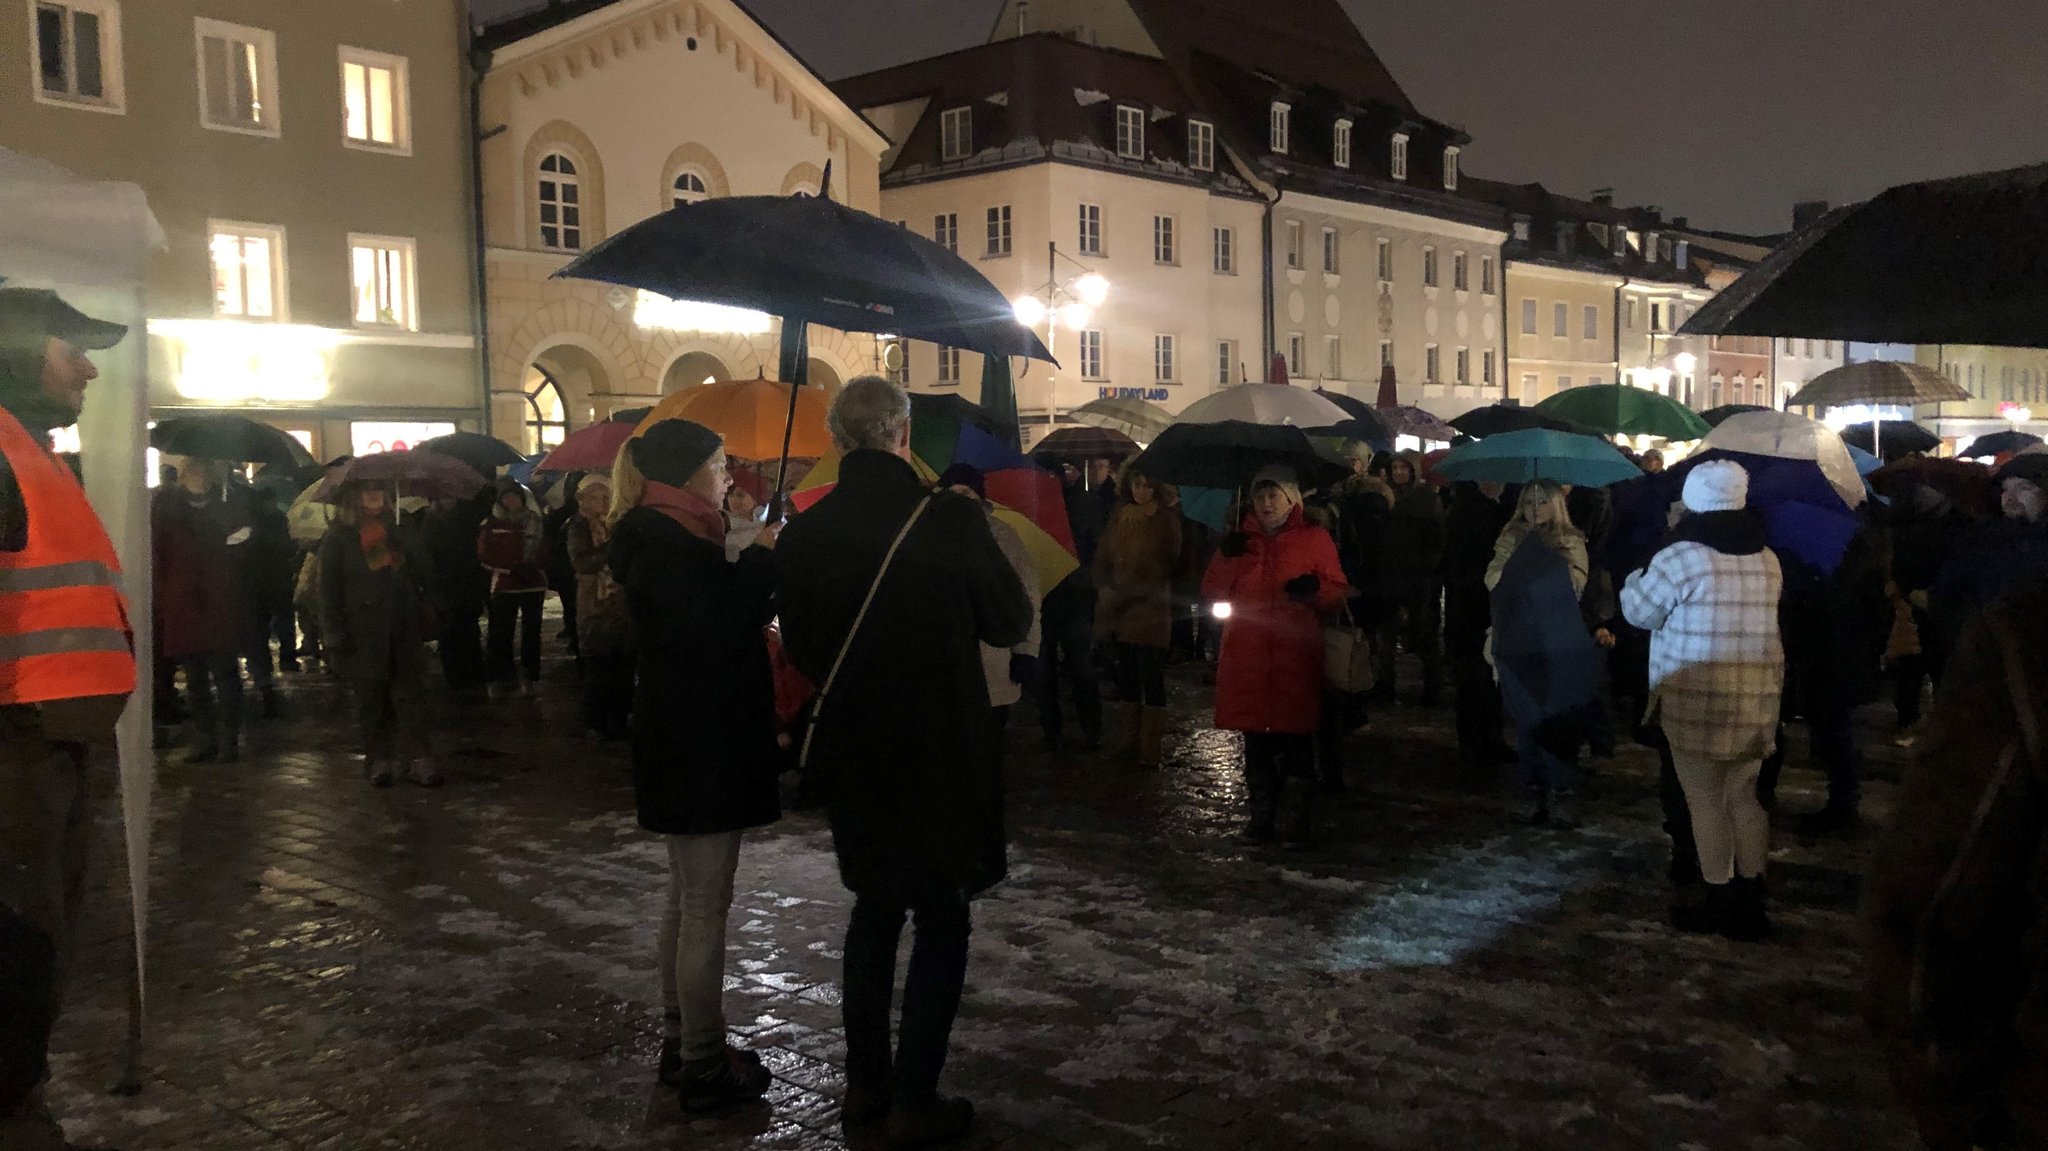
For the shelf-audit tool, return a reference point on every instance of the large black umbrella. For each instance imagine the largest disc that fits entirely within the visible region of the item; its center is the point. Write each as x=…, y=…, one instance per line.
x=1367, y=422
x=2030, y=465
x=1956, y=261
x=1076, y=444
x=1998, y=444
x=1899, y=437
x=1228, y=454
x=237, y=439
x=1715, y=417
x=1499, y=419
x=812, y=261
x=484, y=453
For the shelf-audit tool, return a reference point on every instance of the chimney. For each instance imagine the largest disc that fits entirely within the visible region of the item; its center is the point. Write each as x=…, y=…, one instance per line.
x=1807, y=212
x=1604, y=196
x=1650, y=249
x=1680, y=223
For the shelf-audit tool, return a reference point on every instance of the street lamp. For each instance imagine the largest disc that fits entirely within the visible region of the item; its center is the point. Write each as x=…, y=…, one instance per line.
x=1058, y=303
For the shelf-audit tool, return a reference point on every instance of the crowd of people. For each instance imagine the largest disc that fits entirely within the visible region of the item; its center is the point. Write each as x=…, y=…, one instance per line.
x=877, y=643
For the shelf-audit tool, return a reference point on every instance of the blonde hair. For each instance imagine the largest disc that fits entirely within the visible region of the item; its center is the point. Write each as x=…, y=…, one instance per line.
x=1537, y=493
x=628, y=485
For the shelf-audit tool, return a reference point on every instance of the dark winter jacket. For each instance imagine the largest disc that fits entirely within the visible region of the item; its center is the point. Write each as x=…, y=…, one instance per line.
x=1836, y=626
x=1986, y=564
x=1412, y=558
x=461, y=585
x=1958, y=896
x=376, y=621
x=1471, y=527
x=602, y=617
x=509, y=544
x=704, y=753
x=900, y=745
x=197, y=609
x=1269, y=671
x=1364, y=505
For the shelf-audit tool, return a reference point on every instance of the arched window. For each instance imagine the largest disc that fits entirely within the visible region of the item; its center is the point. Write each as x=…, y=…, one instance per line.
x=561, y=204
x=547, y=418
x=690, y=188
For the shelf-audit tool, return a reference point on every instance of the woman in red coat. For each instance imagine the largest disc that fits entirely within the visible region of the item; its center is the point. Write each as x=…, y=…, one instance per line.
x=1280, y=577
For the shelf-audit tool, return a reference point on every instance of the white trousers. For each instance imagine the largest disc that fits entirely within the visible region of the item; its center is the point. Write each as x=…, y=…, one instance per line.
x=1732, y=830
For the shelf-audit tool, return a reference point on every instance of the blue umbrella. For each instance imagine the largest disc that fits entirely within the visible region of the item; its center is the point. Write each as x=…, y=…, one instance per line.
x=1865, y=462
x=1538, y=454
x=1209, y=507
x=1803, y=515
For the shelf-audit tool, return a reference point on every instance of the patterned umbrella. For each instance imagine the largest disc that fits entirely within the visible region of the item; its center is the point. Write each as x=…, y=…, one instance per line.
x=426, y=475
x=1880, y=382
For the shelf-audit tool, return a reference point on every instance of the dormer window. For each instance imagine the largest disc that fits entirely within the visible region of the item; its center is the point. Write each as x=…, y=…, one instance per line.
x=1399, y=161
x=1450, y=169
x=1281, y=126
x=1340, y=145
x=1201, y=145
x=1564, y=238
x=1682, y=256
x=1130, y=132
x=956, y=134
x=1522, y=229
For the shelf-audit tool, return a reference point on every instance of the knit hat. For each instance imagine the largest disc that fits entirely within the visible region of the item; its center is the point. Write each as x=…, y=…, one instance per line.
x=1717, y=486
x=1282, y=477
x=671, y=451
x=964, y=475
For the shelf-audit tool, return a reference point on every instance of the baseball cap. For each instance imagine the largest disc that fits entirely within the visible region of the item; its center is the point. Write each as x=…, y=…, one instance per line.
x=27, y=314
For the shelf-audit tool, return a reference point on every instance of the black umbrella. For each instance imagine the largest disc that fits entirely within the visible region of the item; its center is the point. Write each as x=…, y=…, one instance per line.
x=1500, y=419
x=1957, y=261
x=1367, y=422
x=484, y=453
x=237, y=439
x=1998, y=444
x=1228, y=454
x=2031, y=466
x=1084, y=443
x=1715, y=417
x=1900, y=438
x=811, y=261
x=926, y=408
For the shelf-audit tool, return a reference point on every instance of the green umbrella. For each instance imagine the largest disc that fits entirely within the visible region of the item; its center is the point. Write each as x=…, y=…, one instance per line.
x=998, y=391
x=1626, y=410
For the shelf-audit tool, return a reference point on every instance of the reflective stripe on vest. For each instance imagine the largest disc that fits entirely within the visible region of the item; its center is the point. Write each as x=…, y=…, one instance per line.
x=64, y=627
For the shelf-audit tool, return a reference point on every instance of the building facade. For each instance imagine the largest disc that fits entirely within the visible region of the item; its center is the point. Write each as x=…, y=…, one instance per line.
x=601, y=113
x=2008, y=389
x=310, y=165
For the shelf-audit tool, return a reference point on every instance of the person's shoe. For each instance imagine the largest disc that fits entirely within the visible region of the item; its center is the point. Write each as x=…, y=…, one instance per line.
x=668, y=1067
x=1829, y=820
x=423, y=773
x=379, y=773
x=273, y=703
x=1564, y=810
x=864, y=1106
x=1906, y=737
x=727, y=1079
x=529, y=688
x=1537, y=813
x=1748, y=921
x=939, y=1120
x=1700, y=908
x=288, y=663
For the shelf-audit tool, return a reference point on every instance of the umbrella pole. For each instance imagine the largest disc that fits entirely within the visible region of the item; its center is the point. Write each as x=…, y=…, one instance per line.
x=795, y=371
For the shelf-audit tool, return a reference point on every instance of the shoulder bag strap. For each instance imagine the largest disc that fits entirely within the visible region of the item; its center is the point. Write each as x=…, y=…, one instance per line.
x=831, y=677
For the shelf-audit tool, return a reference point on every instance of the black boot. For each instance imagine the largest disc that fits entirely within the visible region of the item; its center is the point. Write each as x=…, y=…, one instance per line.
x=727, y=1079
x=1748, y=921
x=1264, y=810
x=1297, y=813
x=939, y=1120
x=1700, y=908
x=273, y=703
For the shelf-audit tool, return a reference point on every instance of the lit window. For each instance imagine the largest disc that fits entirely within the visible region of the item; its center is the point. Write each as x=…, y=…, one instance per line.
x=1486, y=274
x=1201, y=145
x=1461, y=279
x=374, y=100
x=1333, y=357
x=1386, y=261
x=1450, y=169
x=1281, y=119
x=78, y=53
x=1340, y=145
x=1428, y=267
x=547, y=417
x=1226, y=362
x=1297, y=351
x=689, y=188
x=1431, y=364
x=1164, y=250
x=949, y=365
x=1226, y=250
x=1091, y=355
x=560, y=195
x=1399, y=159
x=1294, y=243
x=381, y=270
x=956, y=134
x=1130, y=132
x=1331, y=251
x=248, y=271
x=946, y=231
x=999, y=231
x=237, y=77
x=1091, y=229
x=1163, y=367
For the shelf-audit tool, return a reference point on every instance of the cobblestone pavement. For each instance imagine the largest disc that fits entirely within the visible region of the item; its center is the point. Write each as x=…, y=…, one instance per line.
x=336, y=967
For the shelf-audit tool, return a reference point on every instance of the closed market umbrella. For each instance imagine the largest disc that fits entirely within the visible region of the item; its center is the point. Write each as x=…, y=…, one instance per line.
x=1142, y=420
x=1538, y=453
x=232, y=438
x=1899, y=437
x=1999, y=444
x=1625, y=410
x=1499, y=419
x=484, y=453
x=1785, y=436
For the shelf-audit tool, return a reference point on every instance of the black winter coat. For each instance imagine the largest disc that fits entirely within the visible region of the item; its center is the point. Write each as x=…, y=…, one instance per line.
x=901, y=746
x=704, y=753
x=376, y=620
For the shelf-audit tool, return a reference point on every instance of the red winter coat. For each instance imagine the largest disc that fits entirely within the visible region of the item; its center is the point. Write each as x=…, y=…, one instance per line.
x=1269, y=677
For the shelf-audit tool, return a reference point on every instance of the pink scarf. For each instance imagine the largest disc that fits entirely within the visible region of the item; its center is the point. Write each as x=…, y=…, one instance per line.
x=697, y=515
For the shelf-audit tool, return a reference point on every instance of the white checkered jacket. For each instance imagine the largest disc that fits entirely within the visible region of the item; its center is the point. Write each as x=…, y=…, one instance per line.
x=1717, y=665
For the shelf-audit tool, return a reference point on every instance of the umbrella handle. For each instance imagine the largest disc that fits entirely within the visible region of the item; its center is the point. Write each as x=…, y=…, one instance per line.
x=796, y=370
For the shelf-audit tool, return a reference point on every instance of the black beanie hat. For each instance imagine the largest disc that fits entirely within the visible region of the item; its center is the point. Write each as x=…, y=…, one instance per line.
x=671, y=451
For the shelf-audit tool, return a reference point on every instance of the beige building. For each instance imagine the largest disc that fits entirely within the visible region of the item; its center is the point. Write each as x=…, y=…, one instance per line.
x=1048, y=162
x=309, y=163
x=598, y=115
x=2009, y=389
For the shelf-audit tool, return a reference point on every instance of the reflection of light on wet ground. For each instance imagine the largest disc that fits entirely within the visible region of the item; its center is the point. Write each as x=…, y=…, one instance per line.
x=1463, y=902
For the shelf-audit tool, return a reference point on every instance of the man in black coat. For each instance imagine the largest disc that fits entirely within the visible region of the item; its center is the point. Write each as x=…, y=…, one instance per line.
x=1474, y=522
x=898, y=739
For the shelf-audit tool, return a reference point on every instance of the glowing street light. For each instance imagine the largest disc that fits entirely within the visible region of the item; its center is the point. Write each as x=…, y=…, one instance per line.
x=1092, y=288
x=1685, y=362
x=1076, y=316
x=1030, y=310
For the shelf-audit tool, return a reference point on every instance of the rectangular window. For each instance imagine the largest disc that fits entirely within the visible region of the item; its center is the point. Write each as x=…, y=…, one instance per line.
x=956, y=134
x=1398, y=161
x=386, y=289
x=1592, y=322
x=1294, y=243
x=1340, y=145
x=1631, y=312
x=1091, y=229
x=1656, y=316
x=1386, y=354
x=1564, y=383
x=1809, y=349
x=1164, y=248
x=1226, y=363
x=1428, y=267
x=1463, y=365
x=237, y=78
x=1297, y=352
x=1529, y=386
x=1432, y=364
x=1201, y=145
x=999, y=231
x=1461, y=279
x=1560, y=320
x=1486, y=275
x=1226, y=250
x=1280, y=127
x=375, y=101
x=1386, y=260
x=1130, y=132
x=1091, y=355
x=1332, y=253
x=946, y=231
x=1163, y=366
x=1333, y=357
x=1486, y=367
x=949, y=365
x=1592, y=381
x=1450, y=169
x=1528, y=317
x=78, y=53
x=248, y=271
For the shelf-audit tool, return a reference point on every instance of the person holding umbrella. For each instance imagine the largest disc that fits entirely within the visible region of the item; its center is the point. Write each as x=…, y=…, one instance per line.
x=509, y=544
x=1280, y=577
x=198, y=609
x=705, y=758
x=376, y=580
x=1410, y=579
x=1134, y=567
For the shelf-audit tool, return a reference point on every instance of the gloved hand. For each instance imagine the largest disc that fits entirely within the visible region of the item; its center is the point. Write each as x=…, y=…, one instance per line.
x=1023, y=669
x=1232, y=544
x=1303, y=588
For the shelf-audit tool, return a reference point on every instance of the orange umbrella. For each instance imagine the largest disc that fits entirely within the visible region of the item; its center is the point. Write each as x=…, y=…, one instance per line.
x=750, y=414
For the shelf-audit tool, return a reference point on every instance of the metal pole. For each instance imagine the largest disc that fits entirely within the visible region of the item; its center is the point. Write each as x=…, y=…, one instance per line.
x=1052, y=327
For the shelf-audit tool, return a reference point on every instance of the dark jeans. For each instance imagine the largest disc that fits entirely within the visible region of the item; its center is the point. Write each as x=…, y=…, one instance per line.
x=1476, y=699
x=1422, y=612
x=1685, y=853
x=461, y=643
x=1068, y=636
x=390, y=720
x=213, y=689
x=1343, y=714
x=506, y=609
x=931, y=993
x=1831, y=740
x=608, y=693
x=1140, y=674
x=1909, y=688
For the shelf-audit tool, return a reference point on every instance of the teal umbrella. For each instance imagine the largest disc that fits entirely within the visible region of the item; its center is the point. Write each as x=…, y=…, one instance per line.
x=1538, y=454
x=1626, y=410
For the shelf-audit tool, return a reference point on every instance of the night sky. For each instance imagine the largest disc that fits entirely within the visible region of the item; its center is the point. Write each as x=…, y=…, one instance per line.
x=1725, y=111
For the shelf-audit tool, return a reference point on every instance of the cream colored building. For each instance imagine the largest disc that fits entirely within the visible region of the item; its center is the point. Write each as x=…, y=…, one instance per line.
x=596, y=117
x=2009, y=387
x=309, y=163
x=1560, y=329
x=1799, y=362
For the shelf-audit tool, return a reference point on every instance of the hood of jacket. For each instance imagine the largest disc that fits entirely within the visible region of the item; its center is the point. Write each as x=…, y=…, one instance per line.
x=530, y=507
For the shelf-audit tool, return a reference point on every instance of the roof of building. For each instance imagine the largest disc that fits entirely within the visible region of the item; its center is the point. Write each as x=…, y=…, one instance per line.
x=504, y=33
x=1312, y=43
x=1566, y=232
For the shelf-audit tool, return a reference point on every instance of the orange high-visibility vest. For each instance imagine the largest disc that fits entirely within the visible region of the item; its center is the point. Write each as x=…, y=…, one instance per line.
x=64, y=631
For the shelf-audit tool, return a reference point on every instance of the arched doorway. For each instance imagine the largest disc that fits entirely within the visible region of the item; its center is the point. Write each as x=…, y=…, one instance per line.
x=547, y=413
x=823, y=375
x=691, y=369
x=557, y=390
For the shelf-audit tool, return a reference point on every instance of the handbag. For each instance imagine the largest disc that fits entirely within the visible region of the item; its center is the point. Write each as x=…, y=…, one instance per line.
x=1347, y=656
x=803, y=759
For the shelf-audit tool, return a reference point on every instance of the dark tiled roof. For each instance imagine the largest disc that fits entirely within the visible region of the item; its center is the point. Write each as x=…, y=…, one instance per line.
x=1588, y=231
x=1312, y=43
